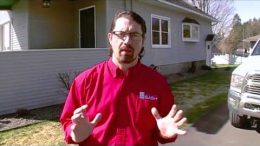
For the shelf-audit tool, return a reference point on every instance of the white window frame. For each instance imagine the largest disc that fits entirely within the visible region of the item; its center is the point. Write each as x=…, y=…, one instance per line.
x=160, y=45
x=191, y=38
x=5, y=36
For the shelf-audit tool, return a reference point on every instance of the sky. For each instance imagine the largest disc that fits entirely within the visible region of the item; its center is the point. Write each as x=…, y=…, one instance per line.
x=247, y=9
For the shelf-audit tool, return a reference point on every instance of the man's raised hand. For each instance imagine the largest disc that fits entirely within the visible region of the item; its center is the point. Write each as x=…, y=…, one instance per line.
x=81, y=127
x=169, y=125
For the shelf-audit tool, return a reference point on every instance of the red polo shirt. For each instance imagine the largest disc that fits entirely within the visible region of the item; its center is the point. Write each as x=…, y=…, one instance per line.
x=125, y=102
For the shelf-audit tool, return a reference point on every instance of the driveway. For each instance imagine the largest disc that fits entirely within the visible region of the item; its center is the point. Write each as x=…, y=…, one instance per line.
x=214, y=129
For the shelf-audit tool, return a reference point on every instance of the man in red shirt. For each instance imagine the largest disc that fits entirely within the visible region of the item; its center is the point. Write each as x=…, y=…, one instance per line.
x=121, y=101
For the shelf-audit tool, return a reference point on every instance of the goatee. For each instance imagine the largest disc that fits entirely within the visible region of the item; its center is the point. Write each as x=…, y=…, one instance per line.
x=126, y=55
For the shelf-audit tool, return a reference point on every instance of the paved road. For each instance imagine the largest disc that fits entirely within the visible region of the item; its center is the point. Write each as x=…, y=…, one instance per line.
x=214, y=129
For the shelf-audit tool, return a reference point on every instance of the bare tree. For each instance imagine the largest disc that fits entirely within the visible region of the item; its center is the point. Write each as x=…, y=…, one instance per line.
x=222, y=10
x=204, y=5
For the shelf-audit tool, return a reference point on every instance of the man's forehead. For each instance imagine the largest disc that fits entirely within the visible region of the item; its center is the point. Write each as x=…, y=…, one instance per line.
x=123, y=22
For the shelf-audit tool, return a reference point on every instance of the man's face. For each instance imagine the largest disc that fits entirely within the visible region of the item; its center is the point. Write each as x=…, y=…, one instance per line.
x=126, y=40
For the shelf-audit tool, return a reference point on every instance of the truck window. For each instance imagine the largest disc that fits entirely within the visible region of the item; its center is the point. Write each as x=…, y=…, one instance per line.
x=257, y=49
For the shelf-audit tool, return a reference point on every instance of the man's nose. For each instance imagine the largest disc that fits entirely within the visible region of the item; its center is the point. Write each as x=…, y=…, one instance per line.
x=127, y=39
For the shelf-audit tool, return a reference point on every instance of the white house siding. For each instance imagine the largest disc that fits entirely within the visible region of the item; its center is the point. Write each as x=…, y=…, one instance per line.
x=28, y=79
x=19, y=32
x=113, y=6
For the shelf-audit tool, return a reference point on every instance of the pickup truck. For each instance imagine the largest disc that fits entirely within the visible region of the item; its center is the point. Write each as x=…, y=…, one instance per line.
x=244, y=92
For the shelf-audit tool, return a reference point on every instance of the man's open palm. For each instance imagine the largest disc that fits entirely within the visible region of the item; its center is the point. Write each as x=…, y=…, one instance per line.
x=169, y=125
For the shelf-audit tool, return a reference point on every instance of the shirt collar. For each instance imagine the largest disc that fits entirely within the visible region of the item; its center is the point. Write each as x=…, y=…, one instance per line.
x=116, y=72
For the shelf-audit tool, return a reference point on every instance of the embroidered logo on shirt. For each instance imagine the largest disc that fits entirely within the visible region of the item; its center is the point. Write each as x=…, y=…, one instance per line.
x=143, y=95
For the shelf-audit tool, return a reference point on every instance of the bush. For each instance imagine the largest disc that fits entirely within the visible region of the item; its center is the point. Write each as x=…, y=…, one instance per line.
x=66, y=79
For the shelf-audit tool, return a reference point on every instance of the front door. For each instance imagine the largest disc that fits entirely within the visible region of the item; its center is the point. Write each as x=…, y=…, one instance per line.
x=87, y=27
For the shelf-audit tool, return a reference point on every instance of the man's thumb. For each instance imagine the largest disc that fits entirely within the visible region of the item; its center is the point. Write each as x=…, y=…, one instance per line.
x=155, y=113
x=96, y=119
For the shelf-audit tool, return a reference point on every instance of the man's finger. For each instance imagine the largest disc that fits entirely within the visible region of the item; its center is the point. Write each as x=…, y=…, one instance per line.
x=72, y=127
x=96, y=119
x=178, y=116
x=181, y=132
x=80, y=109
x=75, y=118
x=155, y=113
x=181, y=122
x=172, y=111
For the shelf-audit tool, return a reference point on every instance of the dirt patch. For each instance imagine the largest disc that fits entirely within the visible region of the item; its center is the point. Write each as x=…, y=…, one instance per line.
x=25, y=118
x=182, y=76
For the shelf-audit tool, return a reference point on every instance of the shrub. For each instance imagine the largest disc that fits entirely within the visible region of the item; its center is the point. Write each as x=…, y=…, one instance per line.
x=66, y=79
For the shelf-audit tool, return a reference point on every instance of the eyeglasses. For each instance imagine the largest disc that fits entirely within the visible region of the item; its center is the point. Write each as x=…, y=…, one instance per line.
x=135, y=36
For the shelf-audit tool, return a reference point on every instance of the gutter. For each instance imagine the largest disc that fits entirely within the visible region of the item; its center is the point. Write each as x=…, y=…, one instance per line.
x=188, y=10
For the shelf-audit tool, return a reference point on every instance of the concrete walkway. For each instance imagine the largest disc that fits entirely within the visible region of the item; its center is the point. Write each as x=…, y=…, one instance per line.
x=214, y=129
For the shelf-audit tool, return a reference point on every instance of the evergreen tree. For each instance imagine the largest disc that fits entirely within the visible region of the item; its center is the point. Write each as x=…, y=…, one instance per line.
x=235, y=37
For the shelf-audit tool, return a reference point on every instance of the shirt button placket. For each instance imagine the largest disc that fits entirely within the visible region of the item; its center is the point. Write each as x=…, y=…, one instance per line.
x=120, y=136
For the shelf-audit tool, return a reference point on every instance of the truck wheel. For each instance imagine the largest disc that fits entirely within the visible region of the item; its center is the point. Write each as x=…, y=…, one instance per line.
x=258, y=127
x=239, y=121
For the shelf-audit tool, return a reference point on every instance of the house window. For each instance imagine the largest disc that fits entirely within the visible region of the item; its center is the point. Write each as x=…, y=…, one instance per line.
x=160, y=31
x=5, y=42
x=190, y=30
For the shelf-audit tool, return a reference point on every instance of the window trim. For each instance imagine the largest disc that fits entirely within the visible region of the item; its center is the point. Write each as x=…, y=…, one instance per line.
x=3, y=37
x=191, y=39
x=160, y=45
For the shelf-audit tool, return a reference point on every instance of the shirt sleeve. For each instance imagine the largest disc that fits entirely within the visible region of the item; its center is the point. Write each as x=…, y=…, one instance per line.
x=72, y=102
x=165, y=104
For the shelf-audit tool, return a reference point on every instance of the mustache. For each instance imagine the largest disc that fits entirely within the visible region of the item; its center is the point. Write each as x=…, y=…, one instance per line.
x=127, y=47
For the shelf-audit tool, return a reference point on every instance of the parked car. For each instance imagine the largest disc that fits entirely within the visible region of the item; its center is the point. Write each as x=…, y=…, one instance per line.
x=244, y=92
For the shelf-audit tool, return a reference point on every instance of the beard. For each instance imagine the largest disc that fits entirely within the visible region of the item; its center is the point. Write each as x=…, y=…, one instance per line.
x=126, y=59
x=127, y=55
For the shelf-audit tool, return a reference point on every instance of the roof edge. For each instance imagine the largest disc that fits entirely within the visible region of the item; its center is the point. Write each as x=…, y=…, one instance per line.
x=5, y=8
x=188, y=10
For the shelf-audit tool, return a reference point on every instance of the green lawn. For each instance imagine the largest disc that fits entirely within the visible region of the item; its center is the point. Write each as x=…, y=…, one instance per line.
x=202, y=93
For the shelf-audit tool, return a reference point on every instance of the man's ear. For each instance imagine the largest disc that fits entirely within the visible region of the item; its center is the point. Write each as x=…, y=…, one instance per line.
x=109, y=36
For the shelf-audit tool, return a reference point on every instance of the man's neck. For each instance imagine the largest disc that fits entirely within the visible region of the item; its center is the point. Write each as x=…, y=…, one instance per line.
x=124, y=66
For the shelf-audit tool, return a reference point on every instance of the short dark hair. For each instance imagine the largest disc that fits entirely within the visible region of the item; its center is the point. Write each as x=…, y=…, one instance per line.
x=137, y=18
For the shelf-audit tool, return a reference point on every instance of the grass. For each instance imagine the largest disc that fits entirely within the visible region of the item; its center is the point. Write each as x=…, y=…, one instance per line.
x=194, y=113
x=191, y=92
x=201, y=94
x=225, y=65
x=47, y=133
